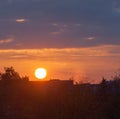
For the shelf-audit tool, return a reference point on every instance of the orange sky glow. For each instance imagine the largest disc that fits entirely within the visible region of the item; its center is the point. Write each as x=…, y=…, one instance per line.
x=81, y=64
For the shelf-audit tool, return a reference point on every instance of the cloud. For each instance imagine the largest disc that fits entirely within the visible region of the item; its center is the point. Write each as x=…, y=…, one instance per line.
x=55, y=24
x=90, y=38
x=60, y=24
x=56, y=54
x=55, y=33
x=77, y=25
x=117, y=10
x=59, y=28
x=10, y=1
x=21, y=20
x=6, y=41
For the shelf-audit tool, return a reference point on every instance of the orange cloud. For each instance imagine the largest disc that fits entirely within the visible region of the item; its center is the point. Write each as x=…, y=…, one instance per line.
x=61, y=54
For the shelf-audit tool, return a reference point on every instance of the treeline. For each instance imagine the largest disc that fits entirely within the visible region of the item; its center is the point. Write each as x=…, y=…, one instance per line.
x=19, y=99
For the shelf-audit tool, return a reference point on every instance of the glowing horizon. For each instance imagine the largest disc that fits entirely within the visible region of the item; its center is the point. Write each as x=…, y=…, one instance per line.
x=81, y=64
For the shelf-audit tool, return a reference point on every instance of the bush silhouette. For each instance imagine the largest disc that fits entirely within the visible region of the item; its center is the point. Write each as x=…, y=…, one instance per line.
x=11, y=75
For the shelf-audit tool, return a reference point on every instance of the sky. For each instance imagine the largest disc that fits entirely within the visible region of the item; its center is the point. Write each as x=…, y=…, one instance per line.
x=78, y=39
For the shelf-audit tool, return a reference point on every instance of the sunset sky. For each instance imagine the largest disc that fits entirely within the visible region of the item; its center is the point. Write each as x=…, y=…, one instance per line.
x=77, y=39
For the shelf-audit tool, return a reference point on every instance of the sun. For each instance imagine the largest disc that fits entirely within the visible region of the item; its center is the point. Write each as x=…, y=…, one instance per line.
x=40, y=73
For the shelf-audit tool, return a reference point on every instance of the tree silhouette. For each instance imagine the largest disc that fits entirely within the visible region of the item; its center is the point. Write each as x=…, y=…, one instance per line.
x=11, y=75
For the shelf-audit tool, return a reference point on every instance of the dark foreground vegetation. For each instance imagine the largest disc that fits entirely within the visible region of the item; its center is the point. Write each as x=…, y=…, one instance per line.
x=23, y=99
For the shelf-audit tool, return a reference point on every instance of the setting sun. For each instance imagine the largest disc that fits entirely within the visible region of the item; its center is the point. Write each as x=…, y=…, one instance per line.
x=40, y=73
